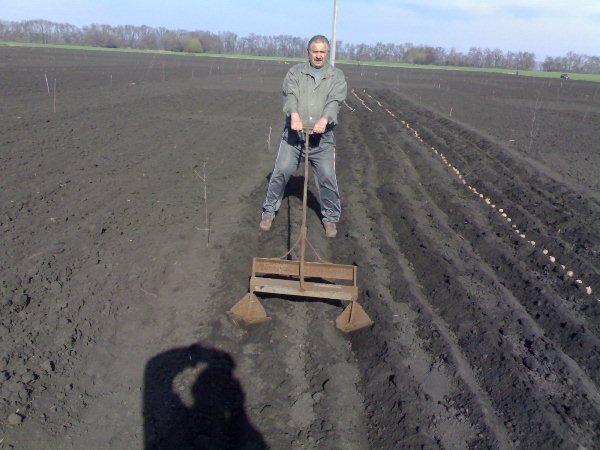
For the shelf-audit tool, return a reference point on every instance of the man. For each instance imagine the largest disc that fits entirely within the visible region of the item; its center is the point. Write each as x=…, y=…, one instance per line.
x=312, y=93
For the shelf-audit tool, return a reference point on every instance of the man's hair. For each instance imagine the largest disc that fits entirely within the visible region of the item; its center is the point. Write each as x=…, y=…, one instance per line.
x=318, y=38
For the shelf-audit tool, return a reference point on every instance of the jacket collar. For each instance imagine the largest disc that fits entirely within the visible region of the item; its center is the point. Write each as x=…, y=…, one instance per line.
x=327, y=69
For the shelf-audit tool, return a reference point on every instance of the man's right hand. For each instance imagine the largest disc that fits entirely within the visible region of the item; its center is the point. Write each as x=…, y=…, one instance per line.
x=296, y=122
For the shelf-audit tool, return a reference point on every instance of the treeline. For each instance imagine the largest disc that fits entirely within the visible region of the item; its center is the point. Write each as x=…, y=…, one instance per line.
x=573, y=62
x=150, y=38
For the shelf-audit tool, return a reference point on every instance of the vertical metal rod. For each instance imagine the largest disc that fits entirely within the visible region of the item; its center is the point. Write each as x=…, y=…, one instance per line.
x=333, y=33
x=303, y=227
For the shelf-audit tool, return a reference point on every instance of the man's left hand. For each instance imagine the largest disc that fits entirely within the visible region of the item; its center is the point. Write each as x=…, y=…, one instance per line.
x=320, y=126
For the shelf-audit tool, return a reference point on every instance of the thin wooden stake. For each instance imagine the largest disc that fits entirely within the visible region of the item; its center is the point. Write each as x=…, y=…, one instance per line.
x=269, y=139
x=206, y=217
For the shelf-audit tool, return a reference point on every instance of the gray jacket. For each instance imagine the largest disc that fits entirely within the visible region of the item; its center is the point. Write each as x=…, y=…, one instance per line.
x=312, y=101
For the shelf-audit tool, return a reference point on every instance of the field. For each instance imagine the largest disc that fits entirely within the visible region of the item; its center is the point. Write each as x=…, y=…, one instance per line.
x=130, y=195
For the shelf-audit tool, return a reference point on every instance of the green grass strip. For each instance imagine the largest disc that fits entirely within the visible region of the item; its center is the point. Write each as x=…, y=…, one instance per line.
x=526, y=73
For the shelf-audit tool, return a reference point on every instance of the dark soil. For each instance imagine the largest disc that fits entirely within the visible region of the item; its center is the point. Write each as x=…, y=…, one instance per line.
x=130, y=196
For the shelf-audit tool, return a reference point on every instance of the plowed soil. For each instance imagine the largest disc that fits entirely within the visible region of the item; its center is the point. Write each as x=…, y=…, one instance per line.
x=130, y=194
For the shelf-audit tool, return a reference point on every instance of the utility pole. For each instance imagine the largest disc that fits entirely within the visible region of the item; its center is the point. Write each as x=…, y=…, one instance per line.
x=333, y=38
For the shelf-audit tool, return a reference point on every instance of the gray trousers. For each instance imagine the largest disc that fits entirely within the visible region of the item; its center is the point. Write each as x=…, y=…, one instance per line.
x=322, y=159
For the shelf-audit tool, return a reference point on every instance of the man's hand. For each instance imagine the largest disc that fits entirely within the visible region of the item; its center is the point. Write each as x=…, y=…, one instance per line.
x=296, y=122
x=320, y=126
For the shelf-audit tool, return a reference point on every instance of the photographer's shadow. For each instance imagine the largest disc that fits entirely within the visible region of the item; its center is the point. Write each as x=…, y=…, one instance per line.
x=215, y=419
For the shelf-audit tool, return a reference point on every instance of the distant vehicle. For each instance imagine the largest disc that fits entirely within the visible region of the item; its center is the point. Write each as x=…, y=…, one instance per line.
x=564, y=76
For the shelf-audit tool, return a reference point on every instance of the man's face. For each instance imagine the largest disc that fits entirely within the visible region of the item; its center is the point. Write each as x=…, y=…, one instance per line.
x=317, y=54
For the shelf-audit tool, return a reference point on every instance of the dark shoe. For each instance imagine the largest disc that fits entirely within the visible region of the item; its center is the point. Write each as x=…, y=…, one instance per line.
x=330, y=229
x=265, y=223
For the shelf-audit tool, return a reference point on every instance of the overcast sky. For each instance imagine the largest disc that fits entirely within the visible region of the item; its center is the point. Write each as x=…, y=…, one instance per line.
x=544, y=27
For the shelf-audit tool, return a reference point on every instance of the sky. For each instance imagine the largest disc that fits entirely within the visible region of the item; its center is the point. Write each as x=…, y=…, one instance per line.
x=544, y=27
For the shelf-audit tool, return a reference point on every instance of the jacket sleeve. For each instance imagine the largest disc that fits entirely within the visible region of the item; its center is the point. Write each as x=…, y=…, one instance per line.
x=336, y=96
x=291, y=93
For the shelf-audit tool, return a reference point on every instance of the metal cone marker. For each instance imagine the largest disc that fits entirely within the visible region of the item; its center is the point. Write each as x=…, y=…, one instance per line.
x=353, y=318
x=248, y=311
